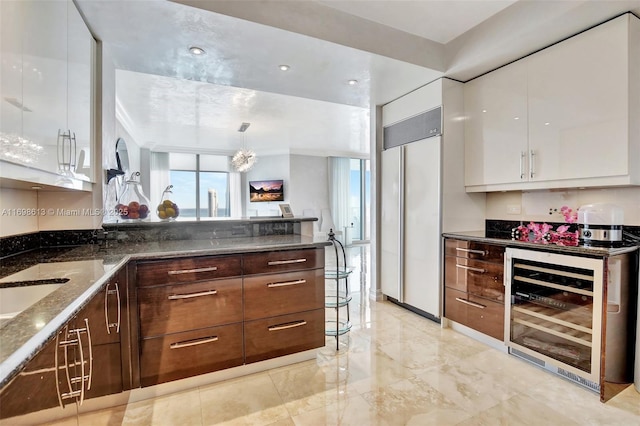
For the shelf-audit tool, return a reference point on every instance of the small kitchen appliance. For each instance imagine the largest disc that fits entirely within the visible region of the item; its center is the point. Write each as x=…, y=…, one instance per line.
x=600, y=224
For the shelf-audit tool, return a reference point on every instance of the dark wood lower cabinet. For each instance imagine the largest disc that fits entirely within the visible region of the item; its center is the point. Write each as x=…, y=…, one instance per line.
x=480, y=314
x=107, y=371
x=34, y=388
x=283, y=335
x=181, y=355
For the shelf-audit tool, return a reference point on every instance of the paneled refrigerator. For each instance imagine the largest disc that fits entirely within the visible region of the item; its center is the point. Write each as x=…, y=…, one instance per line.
x=410, y=224
x=422, y=193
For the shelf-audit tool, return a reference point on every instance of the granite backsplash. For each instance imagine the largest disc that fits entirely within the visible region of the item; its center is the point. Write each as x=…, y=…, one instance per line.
x=113, y=233
x=502, y=228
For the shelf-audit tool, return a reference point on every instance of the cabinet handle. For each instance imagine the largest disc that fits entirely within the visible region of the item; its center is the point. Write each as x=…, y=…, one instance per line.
x=469, y=268
x=79, y=392
x=531, y=163
x=287, y=325
x=285, y=262
x=522, y=155
x=286, y=283
x=106, y=308
x=56, y=365
x=466, y=302
x=480, y=252
x=194, y=342
x=86, y=321
x=192, y=295
x=192, y=271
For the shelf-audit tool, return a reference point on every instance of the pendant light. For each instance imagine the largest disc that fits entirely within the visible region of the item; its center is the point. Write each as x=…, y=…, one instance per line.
x=244, y=158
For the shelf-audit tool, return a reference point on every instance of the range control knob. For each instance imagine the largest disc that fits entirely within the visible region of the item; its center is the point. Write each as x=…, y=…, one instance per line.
x=587, y=234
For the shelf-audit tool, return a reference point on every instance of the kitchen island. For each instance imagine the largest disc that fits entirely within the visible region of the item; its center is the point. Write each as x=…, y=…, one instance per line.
x=89, y=269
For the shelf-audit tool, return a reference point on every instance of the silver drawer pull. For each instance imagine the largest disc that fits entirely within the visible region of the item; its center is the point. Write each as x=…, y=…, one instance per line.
x=194, y=342
x=470, y=268
x=466, y=302
x=480, y=252
x=192, y=271
x=287, y=325
x=192, y=295
x=285, y=262
x=286, y=283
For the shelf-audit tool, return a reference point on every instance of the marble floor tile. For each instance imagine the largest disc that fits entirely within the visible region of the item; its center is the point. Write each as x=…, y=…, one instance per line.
x=350, y=411
x=404, y=402
x=520, y=410
x=251, y=400
x=309, y=387
x=580, y=404
x=178, y=408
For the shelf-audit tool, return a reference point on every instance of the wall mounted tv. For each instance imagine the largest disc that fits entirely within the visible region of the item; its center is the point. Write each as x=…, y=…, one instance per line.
x=266, y=190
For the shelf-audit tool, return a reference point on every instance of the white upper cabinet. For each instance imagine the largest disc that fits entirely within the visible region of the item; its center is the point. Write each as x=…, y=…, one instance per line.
x=567, y=115
x=11, y=72
x=80, y=65
x=47, y=87
x=496, y=126
x=579, y=105
x=44, y=77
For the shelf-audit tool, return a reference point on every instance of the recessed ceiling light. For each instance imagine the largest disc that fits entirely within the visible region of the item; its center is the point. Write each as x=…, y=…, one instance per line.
x=352, y=82
x=284, y=67
x=546, y=124
x=516, y=118
x=484, y=110
x=195, y=50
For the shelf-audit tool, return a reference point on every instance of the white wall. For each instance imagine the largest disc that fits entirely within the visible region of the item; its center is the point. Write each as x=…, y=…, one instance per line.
x=535, y=205
x=13, y=201
x=309, y=184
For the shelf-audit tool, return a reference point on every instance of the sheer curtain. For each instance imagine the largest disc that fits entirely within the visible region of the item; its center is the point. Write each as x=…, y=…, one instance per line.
x=159, y=179
x=339, y=171
x=235, y=194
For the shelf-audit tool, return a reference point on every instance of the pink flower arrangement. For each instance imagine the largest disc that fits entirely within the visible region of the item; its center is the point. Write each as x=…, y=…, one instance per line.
x=543, y=232
x=569, y=215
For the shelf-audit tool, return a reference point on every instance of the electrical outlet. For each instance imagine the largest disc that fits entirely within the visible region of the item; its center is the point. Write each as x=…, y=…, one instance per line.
x=514, y=209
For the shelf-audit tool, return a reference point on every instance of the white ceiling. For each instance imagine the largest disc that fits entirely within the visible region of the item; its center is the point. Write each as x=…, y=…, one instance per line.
x=437, y=20
x=169, y=99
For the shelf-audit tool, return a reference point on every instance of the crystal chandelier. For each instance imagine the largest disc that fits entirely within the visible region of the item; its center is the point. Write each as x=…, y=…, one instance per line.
x=244, y=158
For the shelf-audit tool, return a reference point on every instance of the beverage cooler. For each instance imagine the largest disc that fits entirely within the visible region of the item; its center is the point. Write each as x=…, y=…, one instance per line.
x=554, y=314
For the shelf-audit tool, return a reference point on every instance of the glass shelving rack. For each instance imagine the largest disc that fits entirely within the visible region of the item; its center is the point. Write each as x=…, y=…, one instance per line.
x=338, y=297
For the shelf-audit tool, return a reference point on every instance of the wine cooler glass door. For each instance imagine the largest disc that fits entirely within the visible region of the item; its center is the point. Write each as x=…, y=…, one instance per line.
x=554, y=309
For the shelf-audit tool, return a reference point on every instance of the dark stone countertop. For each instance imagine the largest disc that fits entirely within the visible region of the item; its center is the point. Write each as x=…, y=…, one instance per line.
x=88, y=268
x=480, y=236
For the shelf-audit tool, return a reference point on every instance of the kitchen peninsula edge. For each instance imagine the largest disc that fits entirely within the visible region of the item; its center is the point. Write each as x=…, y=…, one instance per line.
x=27, y=333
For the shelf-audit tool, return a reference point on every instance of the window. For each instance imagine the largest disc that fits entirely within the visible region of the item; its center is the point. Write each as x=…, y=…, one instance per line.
x=200, y=184
x=360, y=199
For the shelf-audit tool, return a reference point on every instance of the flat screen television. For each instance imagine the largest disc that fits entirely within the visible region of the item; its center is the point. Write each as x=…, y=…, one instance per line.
x=266, y=190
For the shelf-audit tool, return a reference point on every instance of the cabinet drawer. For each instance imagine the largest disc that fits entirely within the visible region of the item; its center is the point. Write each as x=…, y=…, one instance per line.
x=183, y=307
x=479, y=314
x=474, y=250
x=181, y=355
x=281, y=261
x=150, y=273
x=279, y=294
x=483, y=279
x=282, y=335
